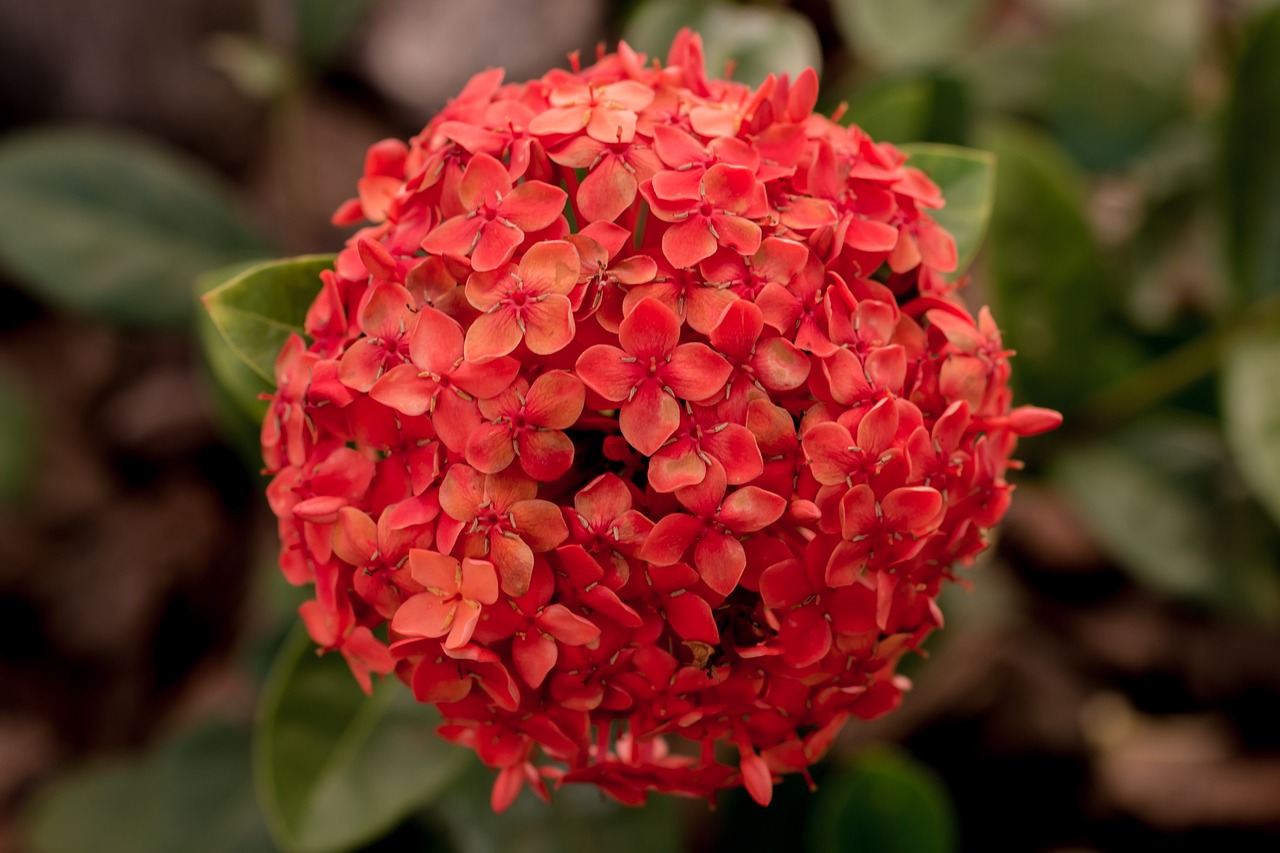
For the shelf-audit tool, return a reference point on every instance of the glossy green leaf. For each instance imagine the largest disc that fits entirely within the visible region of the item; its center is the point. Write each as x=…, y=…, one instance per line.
x=579, y=820
x=1251, y=414
x=1051, y=291
x=194, y=794
x=113, y=226
x=1117, y=73
x=885, y=803
x=917, y=108
x=1163, y=500
x=238, y=383
x=896, y=34
x=1251, y=162
x=758, y=40
x=258, y=309
x=967, y=178
x=336, y=768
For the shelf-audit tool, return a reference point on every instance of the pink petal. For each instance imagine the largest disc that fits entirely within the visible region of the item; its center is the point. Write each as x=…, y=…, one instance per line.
x=534, y=654
x=479, y=581
x=751, y=508
x=545, y=455
x=454, y=236
x=686, y=243
x=649, y=418
x=483, y=181
x=549, y=325
x=492, y=335
x=490, y=448
x=670, y=538
x=424, y=615
x=602, y=369
x=696, y=372
x=555, y=400
x=436, y=342
x=498, y=242
x=720, y=560
x=606, y=191
x=651, y=330
x=533, y=205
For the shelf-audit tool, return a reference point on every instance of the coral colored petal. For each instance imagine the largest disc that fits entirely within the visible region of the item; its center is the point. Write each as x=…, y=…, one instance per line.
x=650, y=330
x=486, y=380
x=549, y=325
x=603, y=369
x=533, y=205
x=455, y=236
x=734, y=232
x=545, y=455
x=858, y=514
x=436, y=342
x=462, y=492
x=737, y=330
x=498, y=242
x=670, y=538
x=424, y=615
x=720, y=560
x=486, y=289
x=514, y=561
x=686, y=243
x=355, y=537
x=434, y=571
x=805, y=636
x=567, y=627
x=915, y=509
x=534, y=654
x=490, y=448
x=479, y=581
x=691, y=618
x=492, y=335
x=555, y=400
x=846, y=564
x=455, y=419
x=603, y=499
x=674, y=467
x=780, y=365
x=696, y=372
x=361, y=365
x=751, y=508
x=404, y=390
x=483, y=181
x=736, y=449
x=551, y=266
x=540, y=523
x=649, y=418
x=756, y=778
x=870, y=236
x=465, y=618
x=606, y=191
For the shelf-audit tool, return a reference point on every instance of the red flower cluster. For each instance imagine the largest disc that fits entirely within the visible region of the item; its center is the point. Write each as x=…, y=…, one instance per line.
x=645, y=423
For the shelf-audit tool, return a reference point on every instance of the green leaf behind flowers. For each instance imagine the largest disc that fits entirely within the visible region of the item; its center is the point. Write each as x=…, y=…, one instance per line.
x=967, y=178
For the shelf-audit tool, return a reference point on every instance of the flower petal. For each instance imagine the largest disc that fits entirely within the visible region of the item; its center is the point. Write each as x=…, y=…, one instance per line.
x=545, y=454
x=555, y=400
x=535, y=654
x=720, y=560
x=424, y=615
x=751, y=508
x=490, y=448
x=492, y=335
x=670, y=538
x=549, y=325
x=649, y=418
x=686, y=243
x=608, y=371
x=696, y=372
x=650, y=330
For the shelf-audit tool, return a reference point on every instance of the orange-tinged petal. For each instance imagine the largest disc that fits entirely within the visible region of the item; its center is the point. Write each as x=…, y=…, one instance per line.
x=484, y=181
x=609, y=371
x=462, y=492
x=492, y=335
x=550, y=266
x=498, y=242
x=686, y=243
x=549, y=324
x=513, y=559
x=555, y=400
x=649, y=418
x=355, y=537
x=439, y=573
x=650, y=330
x=466, y=616
x=424, y=615
x=720, y=560
x=545, y=455
x=540, y=523
x=696, y=372
x=479, y=581
x=490, y=448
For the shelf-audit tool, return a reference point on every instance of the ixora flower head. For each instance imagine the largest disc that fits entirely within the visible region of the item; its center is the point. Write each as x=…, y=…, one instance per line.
x=639, y=426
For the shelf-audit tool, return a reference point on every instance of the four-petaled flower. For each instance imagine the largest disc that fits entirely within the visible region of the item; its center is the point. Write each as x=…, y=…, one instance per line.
x=455, y=592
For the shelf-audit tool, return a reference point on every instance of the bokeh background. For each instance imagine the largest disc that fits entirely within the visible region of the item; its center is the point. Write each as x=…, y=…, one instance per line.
x=1110, y=682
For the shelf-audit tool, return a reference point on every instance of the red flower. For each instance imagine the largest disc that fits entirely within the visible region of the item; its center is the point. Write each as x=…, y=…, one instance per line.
x=611, y=419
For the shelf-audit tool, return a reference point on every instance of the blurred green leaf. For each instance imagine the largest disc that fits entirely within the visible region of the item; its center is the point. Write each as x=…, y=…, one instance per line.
x=17, y=439
x=1163, y=500
x=1051, y=291
x=1251, y=415
x=1251, y=161
x=113, y=226
x=967, y=178
x=1117, y=73
x=918, y=108
x=759, y=40
x=325, y=27
x=579, y=820
x=897, y=34
x=194, y=794
x=239, y=383
x=258, y=309
x=885, y=803
x=336, y=768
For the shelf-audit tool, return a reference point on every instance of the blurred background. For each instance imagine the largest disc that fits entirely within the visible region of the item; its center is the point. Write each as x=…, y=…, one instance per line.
x=1111, y=681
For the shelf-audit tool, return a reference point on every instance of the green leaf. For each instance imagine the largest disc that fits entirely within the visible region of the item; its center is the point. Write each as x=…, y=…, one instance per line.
x=326, y=26
x=336, y=768
x=260, y=308
x=1118, y=73
x=18, y=436
x=238, y=383
x=1251, y=162
x=113, y=226
x=1251, y=415
x=918, y=108
x=758, y=40
x=1051, y=291
x=898, y=34
x=579, y=820
x=194, y=794
x=885, y=803
x=967, y=178
x=1163, y=500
